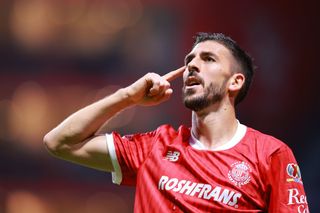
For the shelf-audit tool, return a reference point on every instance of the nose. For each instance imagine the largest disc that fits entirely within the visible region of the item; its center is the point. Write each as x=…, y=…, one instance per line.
x=193, y=66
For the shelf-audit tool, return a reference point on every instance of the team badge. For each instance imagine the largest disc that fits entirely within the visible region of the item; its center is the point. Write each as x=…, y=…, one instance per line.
x=294, y=173
x=239, y=174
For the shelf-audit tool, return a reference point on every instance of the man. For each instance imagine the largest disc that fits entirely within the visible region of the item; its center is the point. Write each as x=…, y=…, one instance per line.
x=217, y=165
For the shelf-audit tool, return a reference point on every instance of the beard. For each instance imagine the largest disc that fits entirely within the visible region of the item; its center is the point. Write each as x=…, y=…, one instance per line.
x=211, y=95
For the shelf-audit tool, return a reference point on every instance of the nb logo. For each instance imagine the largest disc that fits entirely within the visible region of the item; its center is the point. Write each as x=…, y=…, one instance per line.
x=172, y=156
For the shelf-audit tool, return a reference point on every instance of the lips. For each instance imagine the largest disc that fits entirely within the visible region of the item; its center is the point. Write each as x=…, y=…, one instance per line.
x=192, y=81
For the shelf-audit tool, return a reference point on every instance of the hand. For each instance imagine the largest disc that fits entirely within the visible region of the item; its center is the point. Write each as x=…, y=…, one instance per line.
x=152, y=88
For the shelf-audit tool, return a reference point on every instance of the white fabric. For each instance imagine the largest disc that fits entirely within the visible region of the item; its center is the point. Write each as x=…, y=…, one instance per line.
x=116, y=174
x=240, y=132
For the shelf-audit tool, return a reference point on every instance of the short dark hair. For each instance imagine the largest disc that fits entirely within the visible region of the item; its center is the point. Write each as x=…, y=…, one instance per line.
x=243, y=58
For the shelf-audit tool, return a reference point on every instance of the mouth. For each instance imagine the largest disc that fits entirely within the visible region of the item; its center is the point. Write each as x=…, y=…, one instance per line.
x=192, y=82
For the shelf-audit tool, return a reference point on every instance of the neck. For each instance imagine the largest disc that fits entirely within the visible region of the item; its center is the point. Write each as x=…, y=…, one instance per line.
x=215, y=126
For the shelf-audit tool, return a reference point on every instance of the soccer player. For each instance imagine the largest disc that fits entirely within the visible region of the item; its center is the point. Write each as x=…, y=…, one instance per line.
x=216, y=165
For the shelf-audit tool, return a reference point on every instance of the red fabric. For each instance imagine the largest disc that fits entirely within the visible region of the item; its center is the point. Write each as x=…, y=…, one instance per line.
x=259, y=174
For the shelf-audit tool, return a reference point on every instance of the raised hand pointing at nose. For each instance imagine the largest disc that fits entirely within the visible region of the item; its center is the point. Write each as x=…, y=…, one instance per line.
x=152, y=88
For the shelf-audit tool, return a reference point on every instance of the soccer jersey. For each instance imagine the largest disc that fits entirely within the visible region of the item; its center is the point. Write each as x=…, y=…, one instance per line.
x=174, y=172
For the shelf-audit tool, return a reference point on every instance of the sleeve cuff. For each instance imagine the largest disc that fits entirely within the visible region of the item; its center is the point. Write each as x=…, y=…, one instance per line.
x=116, y=174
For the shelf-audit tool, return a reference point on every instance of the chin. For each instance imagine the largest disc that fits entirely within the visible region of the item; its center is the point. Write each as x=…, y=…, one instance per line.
x=195, y=102
x=188, y=92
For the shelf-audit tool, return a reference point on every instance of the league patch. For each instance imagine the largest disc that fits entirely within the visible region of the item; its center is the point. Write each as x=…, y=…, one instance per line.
x=294, y=173
x=239, y=174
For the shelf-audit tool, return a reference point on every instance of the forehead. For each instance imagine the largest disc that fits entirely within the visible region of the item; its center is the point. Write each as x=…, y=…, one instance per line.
x=211, y=46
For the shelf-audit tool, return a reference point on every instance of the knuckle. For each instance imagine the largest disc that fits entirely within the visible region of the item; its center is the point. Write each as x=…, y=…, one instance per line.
x=152, y=74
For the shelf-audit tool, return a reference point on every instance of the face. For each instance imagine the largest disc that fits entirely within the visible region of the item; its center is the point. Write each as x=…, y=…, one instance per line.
x=209, y=68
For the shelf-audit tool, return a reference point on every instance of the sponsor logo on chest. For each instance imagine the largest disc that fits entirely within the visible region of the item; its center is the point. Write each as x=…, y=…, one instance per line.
x=200, y=190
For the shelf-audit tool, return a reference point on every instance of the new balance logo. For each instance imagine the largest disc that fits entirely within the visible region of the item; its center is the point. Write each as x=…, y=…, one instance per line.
x=172, y=156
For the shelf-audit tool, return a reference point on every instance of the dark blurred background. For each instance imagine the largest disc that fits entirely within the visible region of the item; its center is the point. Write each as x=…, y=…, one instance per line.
x=56, y=56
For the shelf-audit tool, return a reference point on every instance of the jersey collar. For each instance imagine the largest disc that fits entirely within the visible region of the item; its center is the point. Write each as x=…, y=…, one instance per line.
x=240, y=133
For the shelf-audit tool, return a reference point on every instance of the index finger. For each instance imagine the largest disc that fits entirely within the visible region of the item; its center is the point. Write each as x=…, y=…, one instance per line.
x=170, y=76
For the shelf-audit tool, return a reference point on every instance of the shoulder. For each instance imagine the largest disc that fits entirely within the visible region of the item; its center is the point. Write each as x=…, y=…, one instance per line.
x=164, y=130
x=169, y=131
x=268, y=150
x=265, y=142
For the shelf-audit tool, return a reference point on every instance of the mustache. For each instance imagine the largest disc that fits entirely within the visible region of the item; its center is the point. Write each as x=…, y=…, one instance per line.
x=196, y=76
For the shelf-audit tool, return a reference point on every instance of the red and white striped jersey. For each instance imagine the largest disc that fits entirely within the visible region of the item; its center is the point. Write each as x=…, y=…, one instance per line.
x=172, y=171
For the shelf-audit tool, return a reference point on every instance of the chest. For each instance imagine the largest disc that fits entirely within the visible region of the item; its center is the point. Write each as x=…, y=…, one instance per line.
x=224, y=178
x=229, y=167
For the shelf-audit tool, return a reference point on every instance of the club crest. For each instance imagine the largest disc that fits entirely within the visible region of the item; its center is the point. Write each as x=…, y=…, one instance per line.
x=239, y=174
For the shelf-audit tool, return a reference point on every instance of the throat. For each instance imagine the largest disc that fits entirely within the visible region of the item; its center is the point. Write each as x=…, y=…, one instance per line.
x=214, y=129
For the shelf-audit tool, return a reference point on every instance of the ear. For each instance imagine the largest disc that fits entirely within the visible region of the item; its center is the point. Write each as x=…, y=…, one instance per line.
x=236, y=82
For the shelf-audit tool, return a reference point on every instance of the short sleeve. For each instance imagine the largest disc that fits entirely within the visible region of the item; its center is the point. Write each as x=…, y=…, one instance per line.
x=285, y=183
x=127, y=154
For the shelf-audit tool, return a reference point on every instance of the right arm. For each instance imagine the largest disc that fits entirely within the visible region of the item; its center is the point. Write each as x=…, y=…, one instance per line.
x=75, y=140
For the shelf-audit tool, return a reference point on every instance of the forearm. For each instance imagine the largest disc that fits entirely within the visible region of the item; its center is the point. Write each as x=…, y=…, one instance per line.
x=85, y=122
x=74, y=139
x=74, y=131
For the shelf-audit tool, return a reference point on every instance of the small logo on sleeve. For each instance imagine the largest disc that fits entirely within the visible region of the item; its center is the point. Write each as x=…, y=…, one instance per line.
x=239, y=174
x=172, y=156
x=294, y=173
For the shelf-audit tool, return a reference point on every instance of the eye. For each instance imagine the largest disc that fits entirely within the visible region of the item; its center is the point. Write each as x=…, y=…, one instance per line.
x=209, y=59
x=188, y=60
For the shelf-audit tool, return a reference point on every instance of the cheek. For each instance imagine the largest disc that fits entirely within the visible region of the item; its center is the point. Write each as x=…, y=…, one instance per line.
x=217, y=82
x=213, y=71
x=212, y=78
x=185, y=75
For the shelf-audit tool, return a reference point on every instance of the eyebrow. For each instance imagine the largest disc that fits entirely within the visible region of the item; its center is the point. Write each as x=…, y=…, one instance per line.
x=190, y=56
